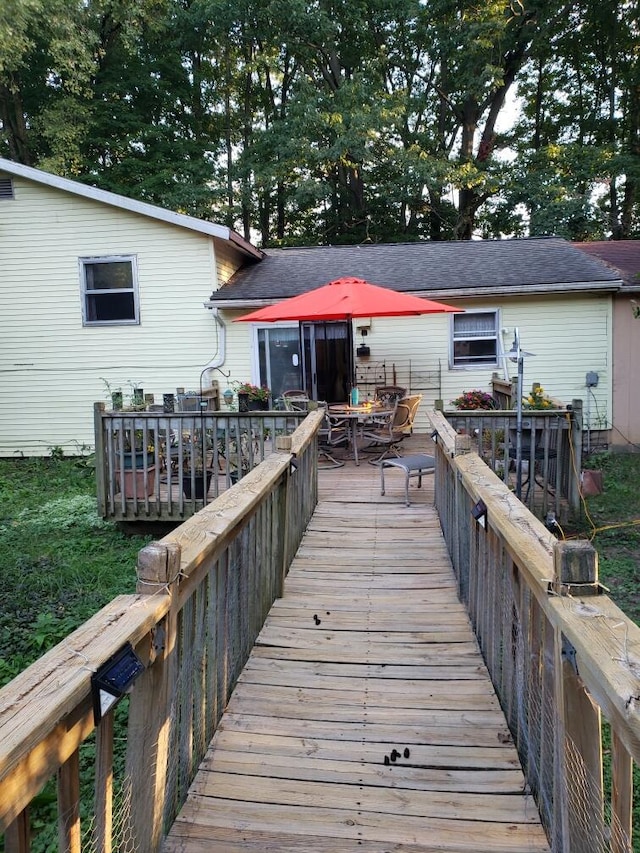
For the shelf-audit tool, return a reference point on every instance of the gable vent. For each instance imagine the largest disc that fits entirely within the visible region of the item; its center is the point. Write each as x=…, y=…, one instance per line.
x=6, y=187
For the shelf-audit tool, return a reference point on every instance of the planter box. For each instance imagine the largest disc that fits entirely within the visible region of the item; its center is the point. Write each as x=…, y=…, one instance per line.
x=132, y=482
x=135, y=460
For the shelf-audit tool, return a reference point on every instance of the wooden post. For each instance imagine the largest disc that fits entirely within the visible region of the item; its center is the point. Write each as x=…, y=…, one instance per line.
x=101, y=485
x=17, y=837
x=462, y=445
x=283, y=445
x=575, y=568
x=580, y=737
x=575, y=437
x=69, y=804
x=104, y=784
x=149, y=723
x=621, y=796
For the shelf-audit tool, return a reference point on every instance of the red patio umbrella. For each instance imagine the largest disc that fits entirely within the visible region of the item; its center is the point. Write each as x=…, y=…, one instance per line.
x=344, y=299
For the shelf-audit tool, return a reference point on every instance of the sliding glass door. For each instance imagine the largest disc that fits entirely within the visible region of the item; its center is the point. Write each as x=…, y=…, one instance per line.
x=325, y=368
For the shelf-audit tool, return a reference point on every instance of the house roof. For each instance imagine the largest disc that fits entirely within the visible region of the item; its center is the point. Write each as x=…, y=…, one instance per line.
x=133, y=206
x=436, y=269
x=623, y=256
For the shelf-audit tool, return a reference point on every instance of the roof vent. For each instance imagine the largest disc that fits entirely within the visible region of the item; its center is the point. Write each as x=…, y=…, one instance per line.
x=6, y=187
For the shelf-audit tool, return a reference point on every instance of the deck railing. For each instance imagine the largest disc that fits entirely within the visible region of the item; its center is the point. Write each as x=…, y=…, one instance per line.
x=551, y=455
x=154, y=466
x=560, y=653
x=203, y=594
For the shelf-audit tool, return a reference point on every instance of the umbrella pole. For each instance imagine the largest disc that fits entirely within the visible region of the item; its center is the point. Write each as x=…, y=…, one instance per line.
x=351, y=366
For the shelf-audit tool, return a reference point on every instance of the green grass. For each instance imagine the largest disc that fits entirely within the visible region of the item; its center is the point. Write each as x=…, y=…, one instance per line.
x=609, y=520
x=59, y=562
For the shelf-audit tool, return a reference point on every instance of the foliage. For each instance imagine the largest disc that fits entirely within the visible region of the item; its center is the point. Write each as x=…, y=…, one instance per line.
x=59, y=561
x=537, y=399
x=334, y=123
x=476, y=399
x=254, y=392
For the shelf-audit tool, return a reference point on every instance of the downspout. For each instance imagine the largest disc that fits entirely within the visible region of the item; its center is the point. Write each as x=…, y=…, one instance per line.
x=219, y=358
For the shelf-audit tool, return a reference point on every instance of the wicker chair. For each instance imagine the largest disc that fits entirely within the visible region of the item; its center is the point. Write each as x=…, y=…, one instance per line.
x=399, y=424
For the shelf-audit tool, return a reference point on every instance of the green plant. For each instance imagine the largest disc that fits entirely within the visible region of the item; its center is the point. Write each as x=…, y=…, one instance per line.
x=537, y=399
x=476, y=399
x=254, y=392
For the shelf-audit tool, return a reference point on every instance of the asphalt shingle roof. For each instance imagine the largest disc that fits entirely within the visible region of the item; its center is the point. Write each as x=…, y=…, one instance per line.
x=430, y=268
x=623, y=256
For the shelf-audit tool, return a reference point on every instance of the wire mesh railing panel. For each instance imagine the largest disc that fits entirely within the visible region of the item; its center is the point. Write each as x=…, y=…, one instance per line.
x=506, y=563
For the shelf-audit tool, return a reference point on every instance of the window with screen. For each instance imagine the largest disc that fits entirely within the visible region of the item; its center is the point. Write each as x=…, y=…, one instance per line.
x=475, y=339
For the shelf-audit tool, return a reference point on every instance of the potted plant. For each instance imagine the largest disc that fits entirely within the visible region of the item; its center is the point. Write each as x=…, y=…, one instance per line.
x=475, y=399
x=196, y=475
x=252, y=397
x=136, y=473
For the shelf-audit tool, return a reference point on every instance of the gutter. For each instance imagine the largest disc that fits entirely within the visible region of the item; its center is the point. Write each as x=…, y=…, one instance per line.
x=454, y=293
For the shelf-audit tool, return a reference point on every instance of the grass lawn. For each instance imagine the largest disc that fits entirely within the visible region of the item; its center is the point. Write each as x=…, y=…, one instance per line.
x=609, y=520
x=59, y=562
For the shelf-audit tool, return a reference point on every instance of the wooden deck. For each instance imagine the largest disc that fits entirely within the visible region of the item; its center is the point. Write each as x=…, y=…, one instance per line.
x=365, y=719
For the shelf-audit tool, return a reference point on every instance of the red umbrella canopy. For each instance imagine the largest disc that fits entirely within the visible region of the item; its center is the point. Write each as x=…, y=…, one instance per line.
x=344, y=299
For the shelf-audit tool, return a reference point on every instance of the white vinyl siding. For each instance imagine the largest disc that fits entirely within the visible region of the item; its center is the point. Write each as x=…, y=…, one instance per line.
x=568, y=335
x=52, y=366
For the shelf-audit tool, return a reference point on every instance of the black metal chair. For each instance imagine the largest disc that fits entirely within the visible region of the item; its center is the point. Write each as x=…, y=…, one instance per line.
x=333, y=433
x=389, y=395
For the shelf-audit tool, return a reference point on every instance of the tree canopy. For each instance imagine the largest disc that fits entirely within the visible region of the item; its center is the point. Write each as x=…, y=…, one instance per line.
x=326, y=121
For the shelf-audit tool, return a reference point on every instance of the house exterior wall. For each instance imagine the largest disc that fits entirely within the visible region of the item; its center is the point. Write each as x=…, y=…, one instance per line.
x=569, y=335
x=626, y=359
x=53, y=367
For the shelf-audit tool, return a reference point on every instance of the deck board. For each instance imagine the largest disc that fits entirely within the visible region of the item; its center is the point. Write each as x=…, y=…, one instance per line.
x=365, y=718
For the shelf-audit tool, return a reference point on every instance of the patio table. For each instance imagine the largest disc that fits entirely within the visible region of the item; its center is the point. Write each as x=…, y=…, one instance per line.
x=357, y=415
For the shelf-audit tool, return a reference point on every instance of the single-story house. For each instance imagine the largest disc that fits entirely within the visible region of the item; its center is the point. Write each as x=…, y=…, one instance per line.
x=99, y=291
x=559, y=298
x=623, y=257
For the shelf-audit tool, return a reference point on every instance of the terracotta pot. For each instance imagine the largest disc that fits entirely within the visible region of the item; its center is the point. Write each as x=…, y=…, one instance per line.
x=132, y=482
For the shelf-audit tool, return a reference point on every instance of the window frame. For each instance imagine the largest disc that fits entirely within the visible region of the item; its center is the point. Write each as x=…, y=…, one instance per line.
x=86, y=293
x=452, y=340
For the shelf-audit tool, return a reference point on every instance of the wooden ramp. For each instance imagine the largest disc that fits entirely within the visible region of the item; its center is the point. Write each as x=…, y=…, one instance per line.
x=365, y=719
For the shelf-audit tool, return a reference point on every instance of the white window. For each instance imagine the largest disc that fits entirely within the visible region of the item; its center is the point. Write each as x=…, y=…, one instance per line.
x=109, y=290
x=474, y=339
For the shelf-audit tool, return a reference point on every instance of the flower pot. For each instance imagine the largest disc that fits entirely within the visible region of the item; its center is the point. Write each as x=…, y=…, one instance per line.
x=135, y=459
x=202, y=483
x=258, y=406
x=132, y=482
x=243, y=402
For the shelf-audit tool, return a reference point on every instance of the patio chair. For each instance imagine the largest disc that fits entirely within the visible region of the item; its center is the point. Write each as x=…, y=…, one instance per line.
x=296, y=401
x=389, y=435
x=388, y=395
x=333, y=433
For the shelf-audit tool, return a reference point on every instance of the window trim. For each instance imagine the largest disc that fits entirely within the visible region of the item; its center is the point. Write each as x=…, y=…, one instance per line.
x=85, y=292
x=483, y=365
